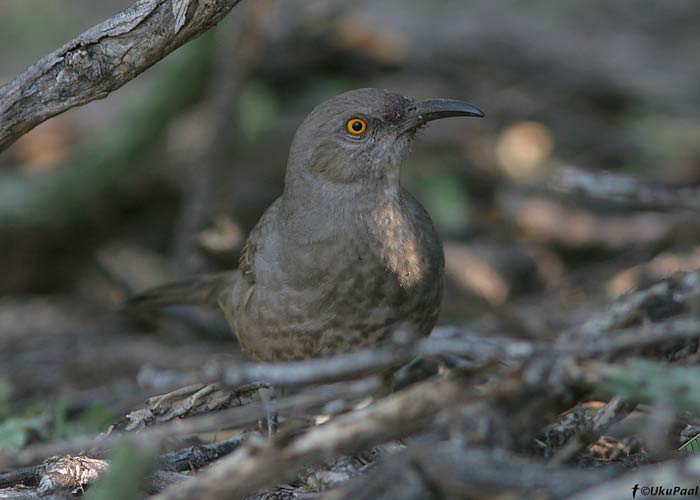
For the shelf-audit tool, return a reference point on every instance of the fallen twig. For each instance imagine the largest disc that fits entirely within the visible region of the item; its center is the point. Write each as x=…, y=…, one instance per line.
x=672, y=296
x=254, y=467
x=681, y=474
x=73, y=474
x=590, y=430
x=160, y=434
x=626, y=191
x=450, y=471
x=477, y=348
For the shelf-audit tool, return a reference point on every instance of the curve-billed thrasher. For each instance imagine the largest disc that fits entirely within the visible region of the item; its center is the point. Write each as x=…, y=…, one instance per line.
x=345, y=255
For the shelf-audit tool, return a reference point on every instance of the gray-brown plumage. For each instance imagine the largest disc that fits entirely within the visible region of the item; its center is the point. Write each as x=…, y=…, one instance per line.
x=345, y=256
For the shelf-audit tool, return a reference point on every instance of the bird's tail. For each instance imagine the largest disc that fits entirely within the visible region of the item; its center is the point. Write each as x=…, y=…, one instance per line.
x=202, y=290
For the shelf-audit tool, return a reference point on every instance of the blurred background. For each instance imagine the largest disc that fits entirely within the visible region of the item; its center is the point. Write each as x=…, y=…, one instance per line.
x=163, y=178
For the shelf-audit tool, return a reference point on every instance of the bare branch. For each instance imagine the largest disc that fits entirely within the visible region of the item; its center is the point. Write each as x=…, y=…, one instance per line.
x=251, y=468
x=627, y=191
x=479, y=349
x=158, y=435
x=68, y=473
x=197, y=456
x=674, y=295
x=448, y=470
x=680, y=474
x=102, y=59
x=585, y=431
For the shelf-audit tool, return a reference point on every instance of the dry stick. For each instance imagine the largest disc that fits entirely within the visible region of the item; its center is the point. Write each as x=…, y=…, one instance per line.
x=196, y=457
x=69, y=473
x=361, y=363
x=614, y=410
x=677, y=328
x=627, y=191
x=399, y=415
x=681, y=474
x=679, y=290
x=448, y=470
x=75, y=472
x=30, y=494
x=187, y=402
x=17, y=476
x=356, y=364
x=481, y=349
x=102, y=59
x=161, y=434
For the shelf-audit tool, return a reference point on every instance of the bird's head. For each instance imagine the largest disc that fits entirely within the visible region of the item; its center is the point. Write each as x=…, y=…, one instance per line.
x=361, y=136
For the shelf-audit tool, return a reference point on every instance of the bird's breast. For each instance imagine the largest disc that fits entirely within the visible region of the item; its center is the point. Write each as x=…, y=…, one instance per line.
x=399, y=242
x=346, y=286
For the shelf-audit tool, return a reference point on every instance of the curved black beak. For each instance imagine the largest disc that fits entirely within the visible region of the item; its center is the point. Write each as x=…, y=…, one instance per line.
x=434, y=109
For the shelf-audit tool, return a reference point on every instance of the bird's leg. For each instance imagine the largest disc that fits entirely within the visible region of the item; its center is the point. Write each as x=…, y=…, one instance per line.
x=420, y=368
x=268, y=396
x=385, y=387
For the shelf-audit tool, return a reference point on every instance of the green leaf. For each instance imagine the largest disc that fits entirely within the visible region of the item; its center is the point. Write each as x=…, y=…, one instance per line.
x=442, y=193
x=692, y=445
x=653, y=382
x=5, y=393
x=130, y=467
x=95, y=419
x=259, y=108
x=13, y=434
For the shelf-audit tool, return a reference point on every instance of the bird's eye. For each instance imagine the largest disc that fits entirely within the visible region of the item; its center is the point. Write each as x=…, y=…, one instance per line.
x=357, y=126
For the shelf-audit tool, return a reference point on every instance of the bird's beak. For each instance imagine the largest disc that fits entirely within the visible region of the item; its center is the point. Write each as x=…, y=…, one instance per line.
x=434, y=109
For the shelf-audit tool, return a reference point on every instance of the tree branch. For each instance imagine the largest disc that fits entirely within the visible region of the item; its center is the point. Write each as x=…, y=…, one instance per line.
x=102, y=59
x=252, y=468
x=158, y=435
x=626, y=191
x=448, y=470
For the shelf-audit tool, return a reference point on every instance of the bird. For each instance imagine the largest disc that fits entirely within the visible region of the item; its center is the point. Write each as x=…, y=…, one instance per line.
x=345, y=256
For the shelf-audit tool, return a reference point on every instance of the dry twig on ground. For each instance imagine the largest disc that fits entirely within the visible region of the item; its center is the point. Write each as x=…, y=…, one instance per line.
x=626, y=191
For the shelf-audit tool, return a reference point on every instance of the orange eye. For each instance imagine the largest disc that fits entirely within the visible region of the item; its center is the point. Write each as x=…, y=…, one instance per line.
x=357, y=126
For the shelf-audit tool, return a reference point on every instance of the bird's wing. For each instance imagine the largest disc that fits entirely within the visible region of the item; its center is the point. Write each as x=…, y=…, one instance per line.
x=246, y=260
x=261, y=233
